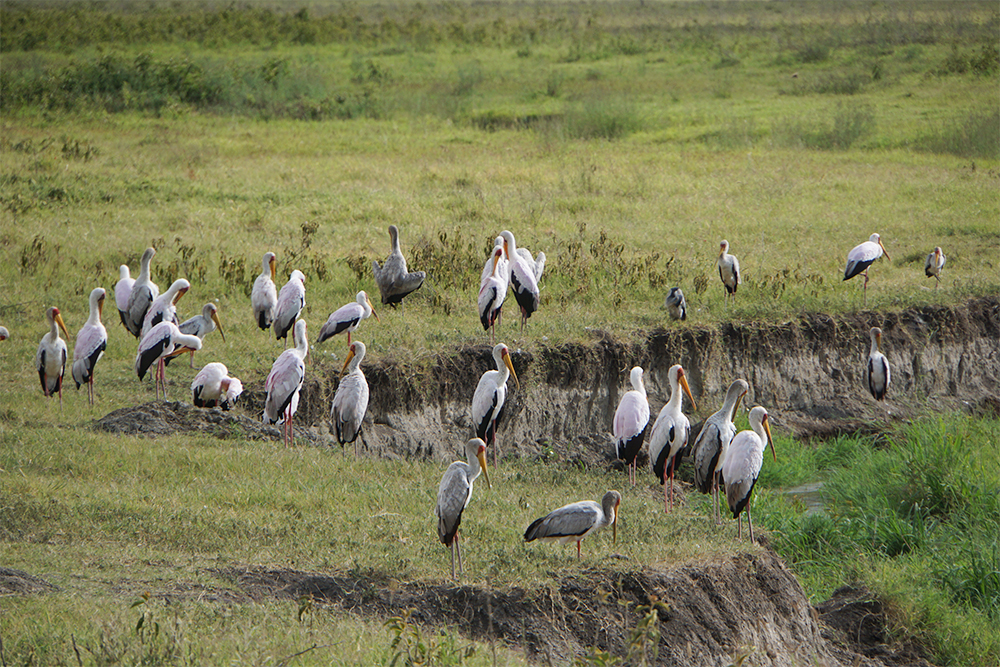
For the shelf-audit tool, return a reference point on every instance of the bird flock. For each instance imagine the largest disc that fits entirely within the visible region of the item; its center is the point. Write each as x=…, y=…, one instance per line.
x=725, y=461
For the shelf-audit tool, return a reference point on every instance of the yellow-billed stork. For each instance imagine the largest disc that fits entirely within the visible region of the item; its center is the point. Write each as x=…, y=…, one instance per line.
x=490, y=397
x=573, y=522
x=164, y=307
x=350, y=403
x=285, y=381
x=50, y=359
x=213, y=387
x=493, y=291
x=861, y=257
x=746, y=456
x=163, y=340
x=264, y=295
x=669, y=436
x=123, y=288
x=631, y=420
x=676, y=304
x=729, y=270
x=522, y=278
x=144, y=292
x=712, y=444
x=392, y=278
x=454, y=494
x=91, y=341
x=877, y=370
x=347, y=318
x=291, y=301
x=934, y=264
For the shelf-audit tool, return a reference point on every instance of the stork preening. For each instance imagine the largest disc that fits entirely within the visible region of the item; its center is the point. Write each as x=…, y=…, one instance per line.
x=264, y=296
x=163, y=340
x=164, y=307
x=877, y=369
x=935, y=262
x=712, y=444
x=729, y=270
x=746, y=456
x=861, y=257
x=573, y=522
x=493, y=291
x=291, y=301
x=347, y=318
x=144, y=292
x=284, y=382
x=392, y=278
x=631, y=420
x=50, y=359
x=537, y=263
x=91, y=341
x=201, y=325
x=350, y=403
x=454, y=494
x=490, y=397
x=213, y=387
x=123, y=288
x=676, y=304
x=669, y=436
x=522, y=278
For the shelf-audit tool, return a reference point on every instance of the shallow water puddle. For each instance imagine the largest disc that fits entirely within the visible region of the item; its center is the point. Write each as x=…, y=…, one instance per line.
x=810, y=495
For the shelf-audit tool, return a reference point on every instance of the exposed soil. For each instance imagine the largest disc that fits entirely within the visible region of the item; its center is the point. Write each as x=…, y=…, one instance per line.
x=809, y=374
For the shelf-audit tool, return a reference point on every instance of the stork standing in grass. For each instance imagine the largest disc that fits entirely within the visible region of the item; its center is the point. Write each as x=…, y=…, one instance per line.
x=676, y=304
x=163, y=340
x=863, y=256
x=91, y=341
x=669, y=436
x=201, y=325
x=454, y=494
x=573, y=522
x=285, y=381
x=393, y=279
x=164, y=307
x=350, y=403
x=264, y=296
x=123, y=288
x=493, y=291
x=631, y=420
x=144, y=292
x=291, y=301
x=712, y=444
x=934, y=264
x=347, y=318
x=746, y=456
x=50, y=359
x=522, y=278
x=729, y=270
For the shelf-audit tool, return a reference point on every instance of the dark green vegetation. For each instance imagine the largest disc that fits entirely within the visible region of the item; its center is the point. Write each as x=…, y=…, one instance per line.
x=623, y=139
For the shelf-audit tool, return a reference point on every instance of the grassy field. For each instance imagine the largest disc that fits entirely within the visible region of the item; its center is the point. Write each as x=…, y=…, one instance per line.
x=624, y=140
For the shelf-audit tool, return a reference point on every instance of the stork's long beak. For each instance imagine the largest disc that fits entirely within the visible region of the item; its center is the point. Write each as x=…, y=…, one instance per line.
x=181, y=350
x=100, y=306
x=687, y=390
x=215, y=318
x=481, y=455
x=767, y=428
x=883, y=249
x=373, y=308
x=614, y=525
x=496, y=258
x=274, y=265
x=878, y=340
x=62, y=325
x=350, y=355
x=180, y=293
x=510, y=367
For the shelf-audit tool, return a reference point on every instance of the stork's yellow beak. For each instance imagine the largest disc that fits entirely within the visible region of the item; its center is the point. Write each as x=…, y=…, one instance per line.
x=481, y=455
x=510, y=367
x=215, y=318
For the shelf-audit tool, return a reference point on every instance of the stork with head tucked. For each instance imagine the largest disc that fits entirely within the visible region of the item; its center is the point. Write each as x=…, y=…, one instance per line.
x=877, y=370
x=522, y=278
x=631, y=420
x=144, y=292
x=163, y=340
x=746, y=456
x=264, y=296
x=291, y=301
x=50, y=359
x=729, y=270
x=861, y=257
x=347, y=318
x=350, y=403
x=213, y=387
x=934, y=264
x=490, y=397
x=454, y=494
x=669, y=436
x=573, y=522
x=91, y=341
x=712, y=444
x=285, y=381
x=392, y=278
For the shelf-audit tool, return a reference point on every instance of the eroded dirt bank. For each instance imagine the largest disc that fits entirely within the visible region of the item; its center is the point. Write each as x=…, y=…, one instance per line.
x=808, y=372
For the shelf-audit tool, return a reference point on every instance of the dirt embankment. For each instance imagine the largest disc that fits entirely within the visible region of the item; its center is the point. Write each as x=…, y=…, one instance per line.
x=808, y=372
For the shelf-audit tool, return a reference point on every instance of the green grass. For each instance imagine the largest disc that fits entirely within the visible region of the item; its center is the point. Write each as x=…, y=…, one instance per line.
x=623, y=140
